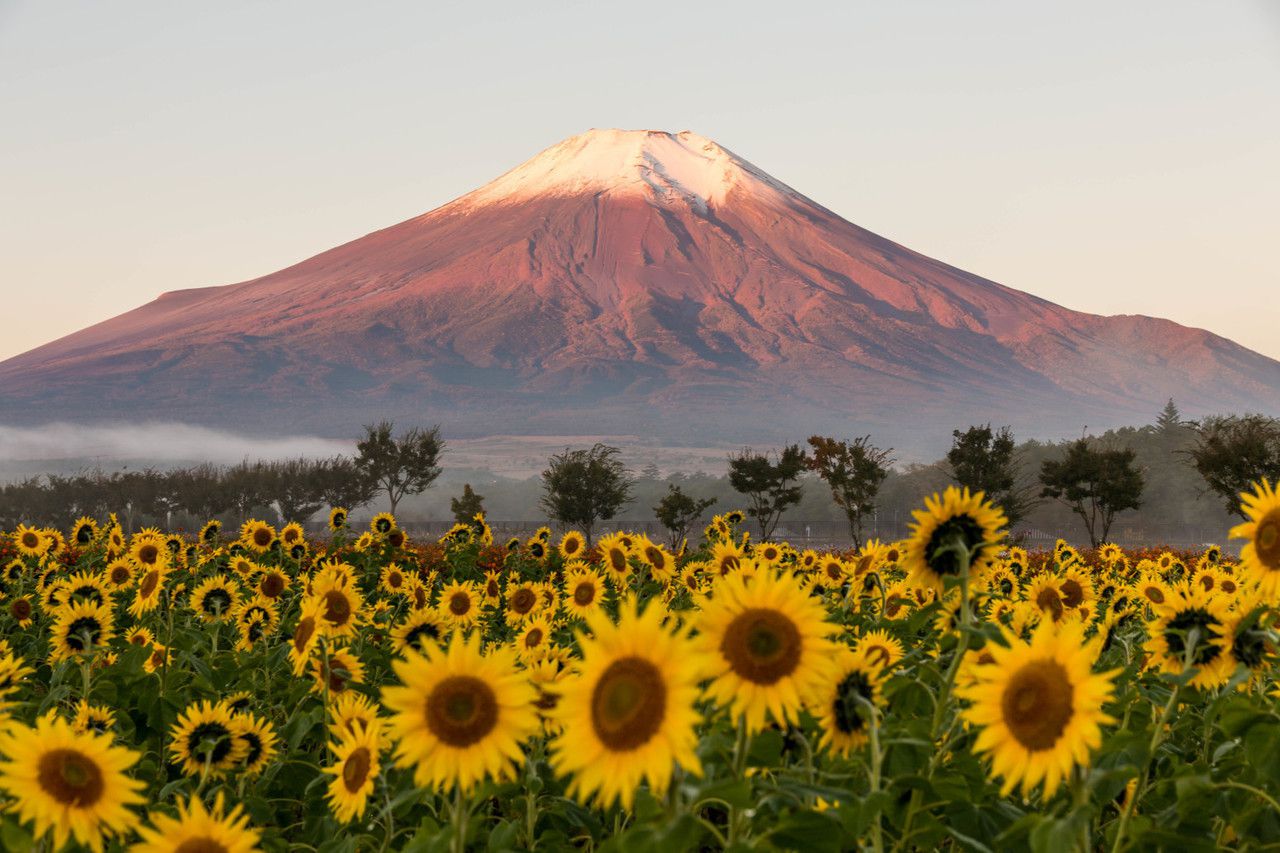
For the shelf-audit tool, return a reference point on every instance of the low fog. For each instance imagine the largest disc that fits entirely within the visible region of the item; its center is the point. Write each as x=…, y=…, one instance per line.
x=160, y=445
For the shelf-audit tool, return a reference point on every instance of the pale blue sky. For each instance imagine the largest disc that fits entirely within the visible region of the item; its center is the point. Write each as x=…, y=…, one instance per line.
x=1112, y=157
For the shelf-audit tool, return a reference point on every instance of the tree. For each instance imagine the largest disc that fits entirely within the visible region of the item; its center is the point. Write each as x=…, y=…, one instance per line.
x=1234, y=452
x=854, y=471
x=769, y=483
x=1169, y=421
x=986, y=460
x=466, y=507
x=1096, y=484
x=298, y=493
x=581, y=487
x=400, y=466
x=340, y=482
x=678, y=513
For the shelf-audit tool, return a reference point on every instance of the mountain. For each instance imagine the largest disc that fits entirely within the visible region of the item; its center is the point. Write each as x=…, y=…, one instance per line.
x=638, y=283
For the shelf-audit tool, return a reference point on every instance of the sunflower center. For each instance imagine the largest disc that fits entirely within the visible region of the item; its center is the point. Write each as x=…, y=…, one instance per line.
x=83, y=633
x=337, y=607
x=1228, y=585
x=418, y=632
x=1179, y=631
x=21, y=609
x=461, y=710
x=879, y=655
x=762, y=645
x=215, y=732
x=30, y=540
x=459, y=603
x=851, y=692
x=1049, y=600
x=1250, y=648
x=628, y=704
x=216, y=601
x=149, y=583
x=1154, y=594
x=1072, y=592
x=119, y=574
x=262, y=537
x=148, y=554
x=356, y=770
x=70, y=777
x=571, y=545
x=272, y=585
x=533, y=639
x=523, y=600
x=1266, y=540
x=961, y=529
x=728, y=563
x=201, y=845
x=1037, y=704
x=654, y=555
x=584, y=593
x=618, y=560
x=302, y=634
x=254, y=749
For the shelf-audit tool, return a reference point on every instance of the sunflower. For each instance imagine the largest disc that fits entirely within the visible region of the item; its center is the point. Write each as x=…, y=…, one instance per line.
x=725, y=557
x=204, y=737
x=83, y=586
x=343, y=606
x=1038, y=706
x=257, y=536
x=147, y=549
x=305, y=634
x=30, y=541
x=68, y=783
x=80, y=628
x=84, y=531
x=337, y=518
x=628, y=713
x=1260, y=557
x=195, y=828
x=1045, y=594
x=766, y=646
x=537, y=548
x=572, y=545
x=1192, y=621
x=350, y=709
x=383, y=523
x=880, y=648
x=257, y=738
x=534, y=640
x=393, y=579
x=93, y=718
x=847, y=701
x=354, y=768
x=338, y=673
x=22, y=610
x=215, y=598
x=272, y=583
x=583, y=591
x=418, y=630
x=1154, y=591
x=460, y=603
x=522, y=602
x=613, y=553
x=158, y=658
x=292, y=534
x=957, y=521
x=118, y=574
x=150, y=585
x=140, y=636
x=459, y=716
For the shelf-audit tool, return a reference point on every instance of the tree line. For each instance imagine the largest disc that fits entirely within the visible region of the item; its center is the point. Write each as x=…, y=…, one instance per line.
x=1167, y=466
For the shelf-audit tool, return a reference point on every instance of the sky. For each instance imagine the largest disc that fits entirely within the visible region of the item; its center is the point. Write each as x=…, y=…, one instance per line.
x=1111, y=157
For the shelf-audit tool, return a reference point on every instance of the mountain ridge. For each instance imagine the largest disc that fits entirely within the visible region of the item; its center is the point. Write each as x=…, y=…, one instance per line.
x=634, y=279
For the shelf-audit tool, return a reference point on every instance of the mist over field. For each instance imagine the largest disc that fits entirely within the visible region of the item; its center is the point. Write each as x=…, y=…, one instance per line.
x=155, y=444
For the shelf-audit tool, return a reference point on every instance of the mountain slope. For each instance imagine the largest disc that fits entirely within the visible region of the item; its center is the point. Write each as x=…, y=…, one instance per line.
x=624, y=282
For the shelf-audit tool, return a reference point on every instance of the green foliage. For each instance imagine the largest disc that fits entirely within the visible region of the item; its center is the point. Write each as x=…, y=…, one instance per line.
x=466, y=506
x=986, y=460
x=404, y=465
x=1234, y=452
x=678, y=513
x=584, y=486
x=769, y=483
x=854, y=471
x=1096, y=482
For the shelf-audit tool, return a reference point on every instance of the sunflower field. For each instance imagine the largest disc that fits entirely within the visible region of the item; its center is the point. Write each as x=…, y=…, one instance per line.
x=258, y=689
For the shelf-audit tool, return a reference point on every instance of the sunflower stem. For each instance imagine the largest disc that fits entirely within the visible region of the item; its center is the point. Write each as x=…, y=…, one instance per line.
x=1157, y=736
x=877, y=831
x=943, y=704
x=739, y=772
x=459, y=820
